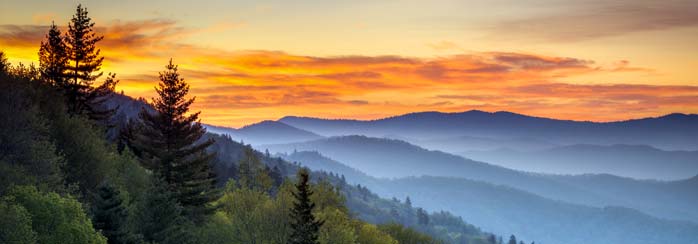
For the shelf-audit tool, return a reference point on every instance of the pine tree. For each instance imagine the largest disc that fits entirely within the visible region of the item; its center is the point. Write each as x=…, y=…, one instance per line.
x=422, y=217
x=160, y=218
x=166, y=144
x=4, y=65
x=491, y=239
x=305, y=226
x=252, y=173
x=83, y=53
x=512, y=239
x=110, y=215
x=276, y=176
x=53, y=58
x=83, y=65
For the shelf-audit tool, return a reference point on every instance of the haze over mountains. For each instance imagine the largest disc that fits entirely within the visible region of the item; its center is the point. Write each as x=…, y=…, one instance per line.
x=552, y=181
x=499, y=208
x=389, y=158
x=637, y=161
x=662, y=148
x=670, y=132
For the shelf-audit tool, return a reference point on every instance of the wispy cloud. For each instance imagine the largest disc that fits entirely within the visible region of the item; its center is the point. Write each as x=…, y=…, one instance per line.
x=591, y=19
x=240, y=87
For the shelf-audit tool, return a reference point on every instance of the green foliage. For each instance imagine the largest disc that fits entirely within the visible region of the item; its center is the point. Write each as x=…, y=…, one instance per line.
x=406, y=235
x=27, y=154
x=217, y=230
x=110, y=215
x=325, y=195
x=15, y=224
x=89, y=158
x=167, y=145
x=337, y=227
x=252, y=173
x=55, y=219
x=370, y=234
x=129, y=176
x=254, y=216
x=159, y=217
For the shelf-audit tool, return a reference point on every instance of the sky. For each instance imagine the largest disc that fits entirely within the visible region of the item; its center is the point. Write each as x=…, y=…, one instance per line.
x=248, y=61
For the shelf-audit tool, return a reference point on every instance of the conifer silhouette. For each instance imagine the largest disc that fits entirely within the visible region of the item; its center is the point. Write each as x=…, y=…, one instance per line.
x=167, y=144
x=305, y=226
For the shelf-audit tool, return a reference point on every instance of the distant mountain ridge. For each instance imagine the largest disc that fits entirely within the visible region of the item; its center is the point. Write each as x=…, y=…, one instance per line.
x=390, y=158
x=637, y=161
x=265, y=132
x=499, y=208
x=673, y=131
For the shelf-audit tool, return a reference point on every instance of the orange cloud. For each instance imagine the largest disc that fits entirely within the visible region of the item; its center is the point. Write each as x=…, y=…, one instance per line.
x=235, y=88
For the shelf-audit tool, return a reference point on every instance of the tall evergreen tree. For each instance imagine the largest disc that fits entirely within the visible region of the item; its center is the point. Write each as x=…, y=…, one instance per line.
x=84, y=63
x=81, y=40
x=422, y=216
x=305, y=226
x=491, y=239
x=53, y=58
x=110, y=215
x=167, y=144
x=4, y=65
x=512, y=239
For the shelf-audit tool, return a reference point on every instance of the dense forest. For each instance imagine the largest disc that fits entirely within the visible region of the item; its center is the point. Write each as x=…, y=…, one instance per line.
x=80, y=163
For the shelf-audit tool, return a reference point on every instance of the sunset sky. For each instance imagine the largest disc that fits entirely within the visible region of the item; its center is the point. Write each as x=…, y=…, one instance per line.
x=248, y=61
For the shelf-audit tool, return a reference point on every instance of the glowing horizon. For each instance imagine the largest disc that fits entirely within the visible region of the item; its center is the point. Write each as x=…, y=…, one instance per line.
x=632, y=63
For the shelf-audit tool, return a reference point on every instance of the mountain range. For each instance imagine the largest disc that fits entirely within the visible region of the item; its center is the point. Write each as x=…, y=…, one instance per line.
x=669, y=132
x=389, y=158
x=505, y=209
x=636, y=161
x=265, y=132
